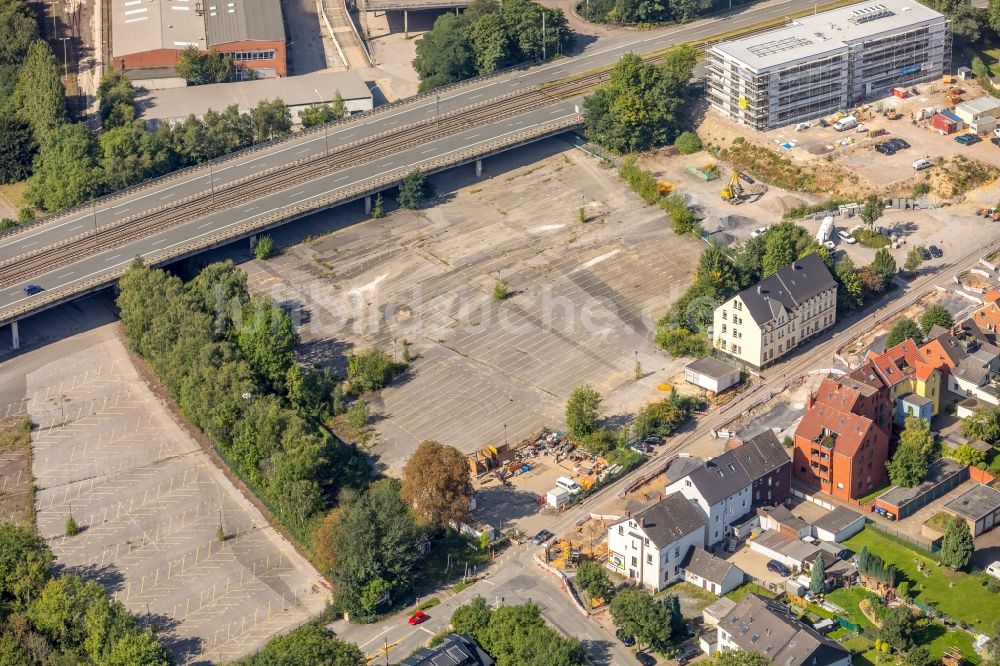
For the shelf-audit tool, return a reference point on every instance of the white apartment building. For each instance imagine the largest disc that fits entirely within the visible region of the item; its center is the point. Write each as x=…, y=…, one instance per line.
x=651, y=546
x=827, y=62
x=721, y=490
x=768, y=320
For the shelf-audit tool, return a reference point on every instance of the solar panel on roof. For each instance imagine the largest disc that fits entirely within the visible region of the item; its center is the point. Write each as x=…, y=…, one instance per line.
x=778, y=46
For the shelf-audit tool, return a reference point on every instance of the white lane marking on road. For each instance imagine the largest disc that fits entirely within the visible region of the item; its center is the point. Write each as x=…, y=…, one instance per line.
x=112, y=258
x=295, y=194
x=64, y=275
x=79, y=226
x=202, y=226
x=476, y=96
x=251, y=208
x=160, y=240
x=341, y=178
x=118, y=206
x=474, y=136
x=376, y=636
x=30, y=245
x=166, y=197
x=304, y=150
x=425, y=152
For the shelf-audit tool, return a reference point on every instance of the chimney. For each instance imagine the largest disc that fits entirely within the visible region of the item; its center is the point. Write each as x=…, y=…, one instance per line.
x=642, y=521
x=659, y=497
x=628, y=514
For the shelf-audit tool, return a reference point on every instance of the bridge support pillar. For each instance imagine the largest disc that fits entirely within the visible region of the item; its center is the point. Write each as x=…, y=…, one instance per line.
x=406, y=23
x=368, y=205
x=15, y=338
x=253, y=243
x=479, y=168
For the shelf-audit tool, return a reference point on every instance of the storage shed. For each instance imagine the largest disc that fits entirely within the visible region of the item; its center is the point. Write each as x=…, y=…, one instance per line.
x=557, y=497
x=712, y=374
x=986, y=106
x=838, y=525
x=946, y=122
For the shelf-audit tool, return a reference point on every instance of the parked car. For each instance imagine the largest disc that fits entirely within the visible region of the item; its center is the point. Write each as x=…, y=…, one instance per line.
x=686, y=654
x=922, y=164
x=884, y=148
x=845, y=123
x=993, y=569
x=542, y=537
x=418, y=617
x=925, y=254
x=848, y=238
x=33, y=289
x=899, y=144
x=645, y=659
x=627, y=641
x=967, y=139
x=653, y=439
x=778, y=568
x=935, y=251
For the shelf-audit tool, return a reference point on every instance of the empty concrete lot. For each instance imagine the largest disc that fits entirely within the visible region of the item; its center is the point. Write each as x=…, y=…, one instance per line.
x=584, y=297
x=149, y=502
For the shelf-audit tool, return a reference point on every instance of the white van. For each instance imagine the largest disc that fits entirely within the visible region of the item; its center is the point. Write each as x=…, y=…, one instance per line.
x=845, y=123
x=994, y=569
x=922, y=164
x=568, y=484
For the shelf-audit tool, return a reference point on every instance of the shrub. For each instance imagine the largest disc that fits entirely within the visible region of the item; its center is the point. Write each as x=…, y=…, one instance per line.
x=71, y=529
x=263, y=248
x=687, y=143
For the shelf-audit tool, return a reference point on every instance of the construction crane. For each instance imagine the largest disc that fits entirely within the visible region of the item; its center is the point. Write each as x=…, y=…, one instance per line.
x=733, y=191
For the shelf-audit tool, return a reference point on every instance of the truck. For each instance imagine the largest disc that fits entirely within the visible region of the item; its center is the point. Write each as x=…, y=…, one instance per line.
x=845, y=123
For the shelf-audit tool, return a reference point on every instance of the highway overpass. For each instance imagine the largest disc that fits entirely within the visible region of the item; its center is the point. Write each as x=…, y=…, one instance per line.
x=88, y=248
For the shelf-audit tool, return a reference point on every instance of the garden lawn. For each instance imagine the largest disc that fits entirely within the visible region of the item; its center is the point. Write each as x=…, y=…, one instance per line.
x=848, y=598
x=939, y=639
x=744, y=590
x=955, y=594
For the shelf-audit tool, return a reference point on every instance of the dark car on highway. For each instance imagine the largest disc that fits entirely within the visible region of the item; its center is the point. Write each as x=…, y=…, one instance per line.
x=778, y=568
x=33, y=289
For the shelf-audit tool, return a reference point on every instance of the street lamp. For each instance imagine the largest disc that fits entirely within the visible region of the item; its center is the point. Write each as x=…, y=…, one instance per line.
x=65, y=57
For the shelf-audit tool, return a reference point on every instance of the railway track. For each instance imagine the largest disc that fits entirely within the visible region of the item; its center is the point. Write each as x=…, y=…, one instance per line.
x=120, y=232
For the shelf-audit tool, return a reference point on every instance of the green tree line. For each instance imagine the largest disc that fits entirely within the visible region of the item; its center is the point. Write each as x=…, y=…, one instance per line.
x=52, y=620
x=630, y=12
x=487, y=37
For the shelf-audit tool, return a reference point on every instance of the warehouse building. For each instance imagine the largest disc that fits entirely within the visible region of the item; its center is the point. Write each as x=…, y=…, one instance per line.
x=147, y=34
x=827, y=62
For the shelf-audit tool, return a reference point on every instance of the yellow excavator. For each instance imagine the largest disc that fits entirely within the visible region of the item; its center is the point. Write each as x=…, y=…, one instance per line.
x=733, y=191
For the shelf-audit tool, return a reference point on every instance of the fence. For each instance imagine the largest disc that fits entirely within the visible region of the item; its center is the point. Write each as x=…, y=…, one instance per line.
x=924, y=548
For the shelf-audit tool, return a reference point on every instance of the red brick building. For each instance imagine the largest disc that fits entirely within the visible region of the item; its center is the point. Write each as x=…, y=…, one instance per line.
x=840, y=446
x=148, y=34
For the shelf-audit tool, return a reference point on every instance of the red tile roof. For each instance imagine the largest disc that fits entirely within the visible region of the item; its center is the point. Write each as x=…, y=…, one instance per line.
x=832, y=393
x=851, y=429
x=902, y=362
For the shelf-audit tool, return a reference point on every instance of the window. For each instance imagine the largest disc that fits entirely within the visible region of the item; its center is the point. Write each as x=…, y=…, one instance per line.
x=245, y=56
x=677, y=551
x=723, y=315
x=649, y=559
x=634, y=561
x=840, y=485
x=621, y=530
x=647, y=542
x=723, y=328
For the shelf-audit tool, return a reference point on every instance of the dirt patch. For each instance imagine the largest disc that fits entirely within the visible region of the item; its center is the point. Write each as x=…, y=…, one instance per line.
x=974, y=281
x=17, y=497
x=959, y=175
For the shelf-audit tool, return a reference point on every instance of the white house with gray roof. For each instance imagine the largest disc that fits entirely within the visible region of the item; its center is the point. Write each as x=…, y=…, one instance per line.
x=721, y=489
x=651, y=545
x=768, y=320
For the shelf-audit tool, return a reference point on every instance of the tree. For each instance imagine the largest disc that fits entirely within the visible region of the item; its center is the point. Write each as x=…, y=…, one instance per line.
x=472, y=617
x=65, y=170
x=116, y=99
x=872, y=211
x=717, y=272
x=500, y=290
x=914, y=258
x=518, y=636
x=271, y=119
x=130, y=154
x=582, y=411
x=38, y=97
x=319, y=114
x=371, y=370
x=25, y=564
x=444, y=55
x=957, y=544
x=437, y=484
x=849, y=288
x=358, y=414
x=817, y=576
x=884, y=264
x=370, y=535
x=903, y=329
x=779, y=251
x=898, y=625
x=641, y=105
x=17, y=145
x=873, y=283
x=263, y=248
x=414, y=190
x=968, y=455
x=919, y=656
x=688, y=143
x=638, y=614
x=936, y=315
x=682, y=220
x=984, y=424
x=593, y=578
x=903, y=590
x=201, y=68
x=908, y=466
x=741, y=658
x=267, y=339
x=993, y=15
x=309, y=645
x=138, y=648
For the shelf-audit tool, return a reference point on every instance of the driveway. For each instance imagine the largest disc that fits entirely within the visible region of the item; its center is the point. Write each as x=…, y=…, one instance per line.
x=305, y=48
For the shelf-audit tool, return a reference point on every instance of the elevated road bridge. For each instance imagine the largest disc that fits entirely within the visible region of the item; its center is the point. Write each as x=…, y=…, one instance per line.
x=88, y=248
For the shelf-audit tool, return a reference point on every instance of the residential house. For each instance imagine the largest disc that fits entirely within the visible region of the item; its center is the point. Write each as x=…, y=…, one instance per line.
x=987, y=316
x=974, y=375
x=838, y=525
x=454, y=650
x=712, y=573
x=721, y=489
x=650, y=546
x=945, y=349
x=839, y=448
x=781, y=520
x=910, y=379
x=771, y=628
x=979, y=507
x=761, y=324
x=766, y=462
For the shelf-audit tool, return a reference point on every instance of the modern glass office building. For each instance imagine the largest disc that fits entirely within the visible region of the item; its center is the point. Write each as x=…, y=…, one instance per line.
x=827, y=62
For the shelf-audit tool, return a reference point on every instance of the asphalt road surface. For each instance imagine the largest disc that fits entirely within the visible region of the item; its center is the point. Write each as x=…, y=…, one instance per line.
x=202, y=180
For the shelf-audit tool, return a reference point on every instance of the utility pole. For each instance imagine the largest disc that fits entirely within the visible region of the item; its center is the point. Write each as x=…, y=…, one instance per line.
x=386, y=651
x=543, y=34
x=211, y=174
x=65, y=57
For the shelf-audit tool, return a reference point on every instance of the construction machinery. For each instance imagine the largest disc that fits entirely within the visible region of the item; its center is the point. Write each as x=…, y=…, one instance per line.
x=736, y=193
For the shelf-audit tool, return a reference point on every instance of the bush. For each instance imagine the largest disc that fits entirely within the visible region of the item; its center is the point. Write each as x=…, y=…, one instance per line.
x=263, y=248
x=500, y=290
x=372, y=370
x=871, y=239
x=687, y=143
x=71, y=529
